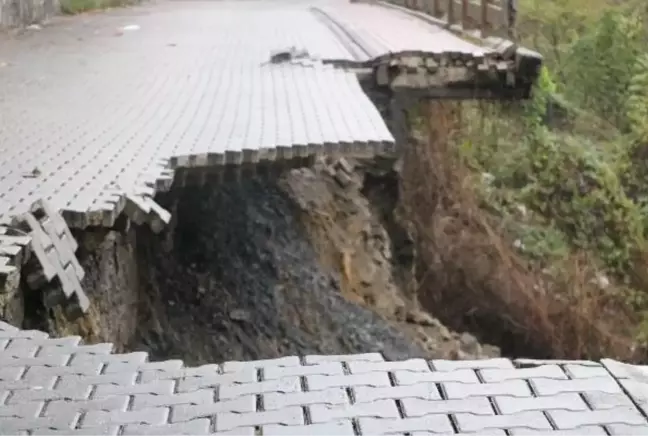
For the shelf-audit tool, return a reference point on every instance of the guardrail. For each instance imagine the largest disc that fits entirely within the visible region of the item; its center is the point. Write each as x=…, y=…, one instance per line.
x=489, y=17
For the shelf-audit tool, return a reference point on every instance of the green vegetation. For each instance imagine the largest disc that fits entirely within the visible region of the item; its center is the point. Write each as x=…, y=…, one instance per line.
x=72, y=7
x=567, y=173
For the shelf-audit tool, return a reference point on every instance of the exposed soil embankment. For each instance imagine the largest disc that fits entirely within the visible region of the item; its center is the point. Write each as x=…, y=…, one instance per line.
x=313, y=262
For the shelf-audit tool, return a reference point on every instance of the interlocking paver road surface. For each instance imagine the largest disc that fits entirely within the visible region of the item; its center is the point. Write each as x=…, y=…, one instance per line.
x=91, y=111
x=101, y=106
x=61, y=387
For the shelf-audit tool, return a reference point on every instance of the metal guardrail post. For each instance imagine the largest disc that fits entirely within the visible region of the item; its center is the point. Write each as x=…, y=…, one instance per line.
x=483, y=25
x=451, y=14
x=436, y=8
x=465, y=18
x=487, y=16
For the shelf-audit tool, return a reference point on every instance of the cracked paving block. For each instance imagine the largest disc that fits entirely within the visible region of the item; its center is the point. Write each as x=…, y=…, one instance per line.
x=54, y=248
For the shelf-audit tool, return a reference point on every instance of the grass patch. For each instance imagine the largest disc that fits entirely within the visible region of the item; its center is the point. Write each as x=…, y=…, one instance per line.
x=533, y=217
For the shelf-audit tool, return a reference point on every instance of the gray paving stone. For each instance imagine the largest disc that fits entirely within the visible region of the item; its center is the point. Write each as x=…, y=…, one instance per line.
x=288, y=416
x=279, y=400
x=201, y=397
x=565, y=401
x=602, y=400
x=187, y=412
x=543, y=371
x=553, y=387
x=414, y=365
x=423, y=391
x=585, y=431
x=622, y=370
x=92, y=392
x=146, y=367
x=164, y=387
x=515, y=388
x=319, y=382
x=286, y=385
x=204, y=371
x=239, y=431
x=586, y=371
x=111, y=430
x=414, y=407
x=195, y=427
x=322, y=413
x=337, y=428
x=412, y=378
x=65, y=407
x=637, y=390
x=377, y=426
x=625, y=429
x=534, y=420
x=276, y=372
x=149, y=416
x=368, y=357
x=81, y=153
x=453, y=365
x=192, y=383
x=566, y=419
x=256, y=364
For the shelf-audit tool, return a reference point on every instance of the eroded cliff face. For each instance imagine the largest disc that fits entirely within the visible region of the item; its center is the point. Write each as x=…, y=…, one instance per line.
x=315, y=261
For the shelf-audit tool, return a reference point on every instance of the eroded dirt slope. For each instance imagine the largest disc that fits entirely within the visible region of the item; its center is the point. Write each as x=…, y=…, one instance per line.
x=315, y=261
